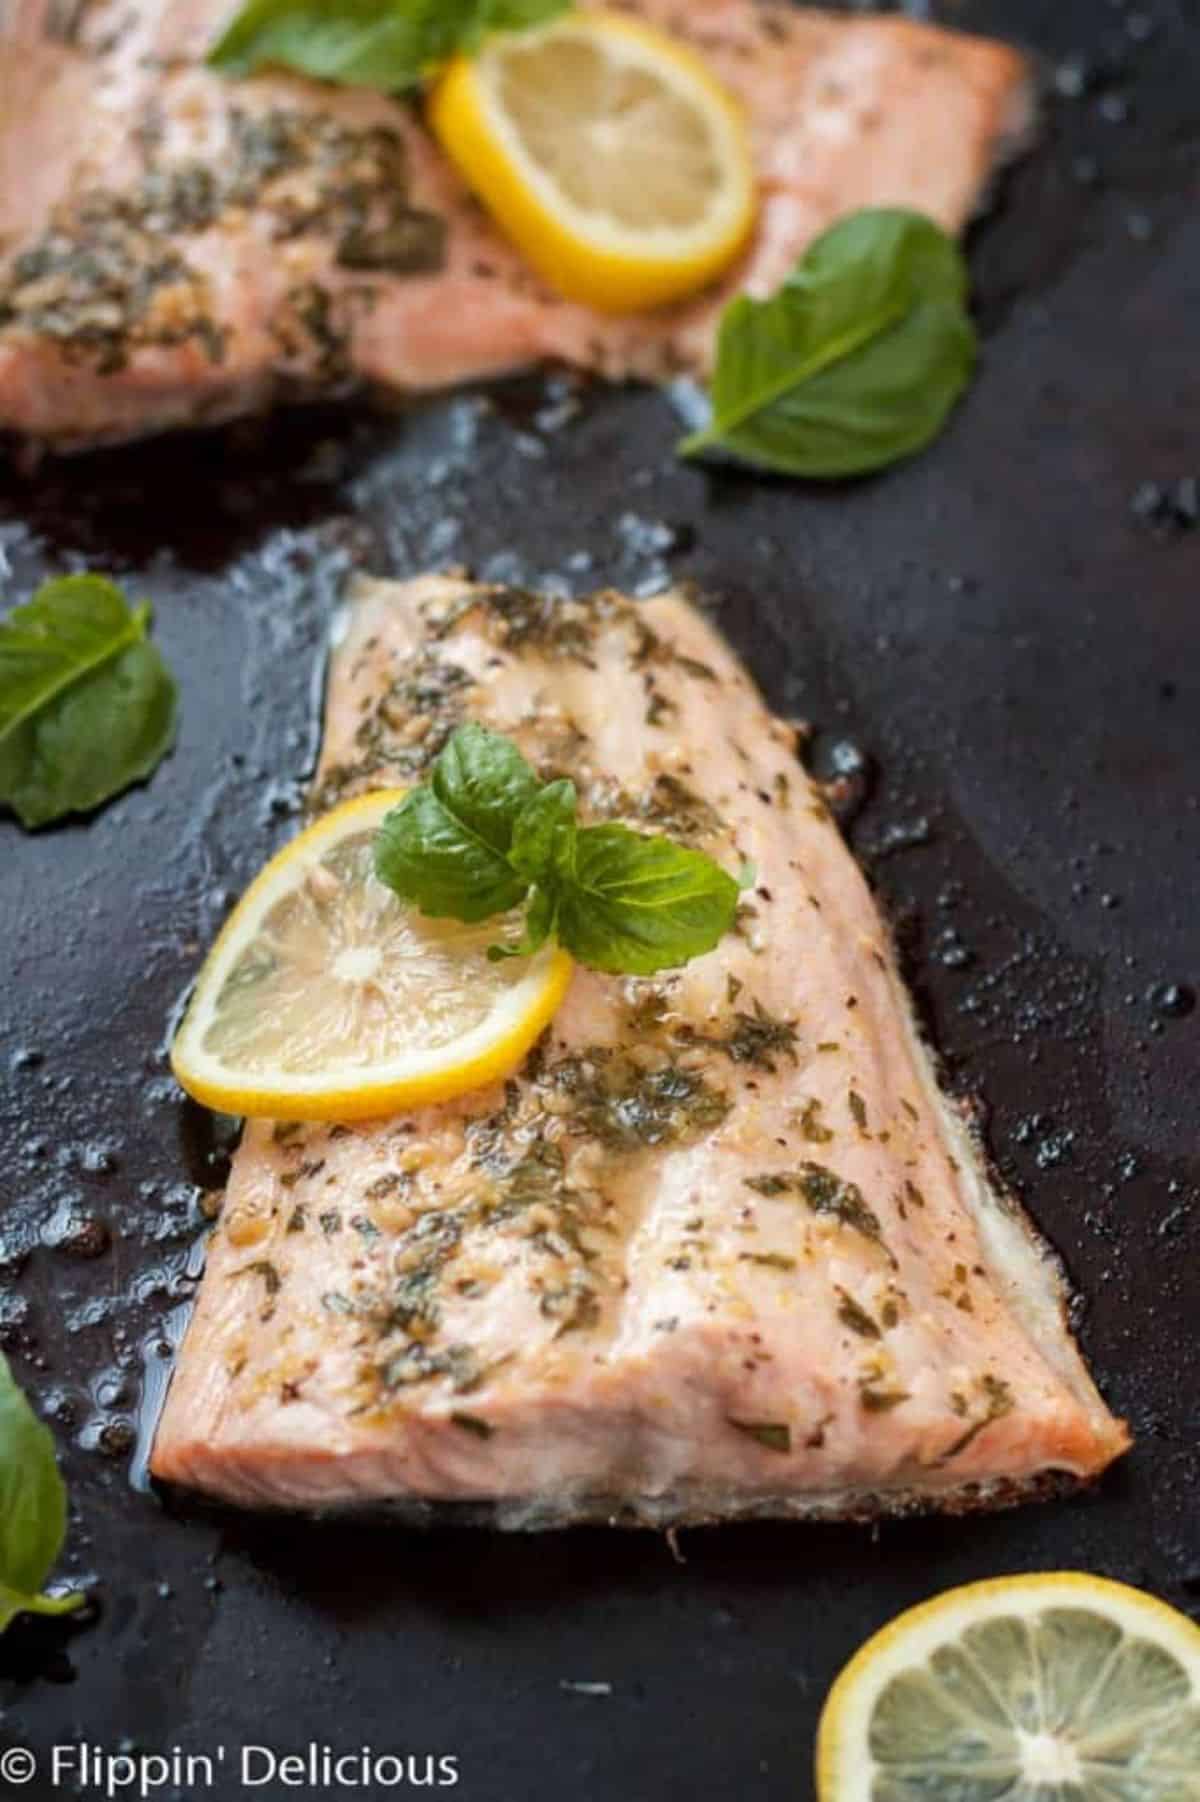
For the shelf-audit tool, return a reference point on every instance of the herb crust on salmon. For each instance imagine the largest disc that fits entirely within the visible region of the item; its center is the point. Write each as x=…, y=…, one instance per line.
x=721, y=1248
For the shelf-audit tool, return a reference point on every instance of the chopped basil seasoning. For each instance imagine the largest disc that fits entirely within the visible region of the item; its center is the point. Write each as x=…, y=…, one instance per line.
x=524, y=620
x=812, y=1126
x=617, y=1102
x=574, y=1304
x=667, y=804
x=303, y=1173
x=998, y=1401
x=856, y=1318
x=673, y=808
x=758, y=1039
x=417, y=1364
x=692, y=666
x=772, y=1435
x=658, y=707
x=877, y=1400
x=471, y=1423
x=263, y=1268
x=825, y=1193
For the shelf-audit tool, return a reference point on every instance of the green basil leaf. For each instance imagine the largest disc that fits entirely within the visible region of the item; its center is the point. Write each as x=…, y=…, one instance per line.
x=483, y=780
x=482, y=837
x=368, y=43
x=856, y=362
x=544, y=835
x=87, y=706
x=12, y=1603
x=540, y=922
x=520, y=15
x=33, y=1508
x=390, y=45
x=633, y=904
x=542, y=918
x=433, y=860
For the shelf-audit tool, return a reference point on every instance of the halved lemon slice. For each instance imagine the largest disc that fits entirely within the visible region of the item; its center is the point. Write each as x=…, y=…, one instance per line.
x=608, y=152
x=1048, y=1688
x=326, y=998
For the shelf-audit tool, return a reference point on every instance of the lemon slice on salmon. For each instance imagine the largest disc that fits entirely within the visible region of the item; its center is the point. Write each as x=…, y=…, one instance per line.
x=1026, y=1688
x=607, y=152
x=326, y=998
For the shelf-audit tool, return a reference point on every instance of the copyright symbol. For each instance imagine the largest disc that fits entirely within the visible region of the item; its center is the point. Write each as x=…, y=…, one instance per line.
x=18, y=1765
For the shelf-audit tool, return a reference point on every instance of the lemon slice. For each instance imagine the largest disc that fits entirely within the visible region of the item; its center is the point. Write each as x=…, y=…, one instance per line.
x=1054, y=1688
x=326, y=998
x=608, y=152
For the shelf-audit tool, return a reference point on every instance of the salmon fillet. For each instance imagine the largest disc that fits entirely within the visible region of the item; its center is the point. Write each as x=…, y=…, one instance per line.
x=721, y=1248
x=176, y=248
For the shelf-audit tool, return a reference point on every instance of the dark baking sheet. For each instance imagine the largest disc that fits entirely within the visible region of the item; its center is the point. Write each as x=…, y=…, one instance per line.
x=1017, y=652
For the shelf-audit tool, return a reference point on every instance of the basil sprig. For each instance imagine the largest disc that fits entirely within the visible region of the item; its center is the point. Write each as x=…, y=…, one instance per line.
x=87, y=705
x=33, y=1509
x=391, y=45
x=858, y=359
x=485, y=837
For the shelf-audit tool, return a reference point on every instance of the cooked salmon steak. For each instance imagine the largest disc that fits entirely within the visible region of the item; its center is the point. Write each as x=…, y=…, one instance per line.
x=178, y=248
x=721, y=1248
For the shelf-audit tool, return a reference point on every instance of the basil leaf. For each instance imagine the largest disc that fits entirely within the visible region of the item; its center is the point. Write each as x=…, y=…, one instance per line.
x=541, y=919
x=633, y=905
x=431, y=858
x=510, y=15
x=483, y=780
x=87, y=706
x=544, y=836
x=856, y=362
x=369, y=43
x=482, y=837
x=521, y=15
x=540, y=922
x=386, y=44
x=33, y=1508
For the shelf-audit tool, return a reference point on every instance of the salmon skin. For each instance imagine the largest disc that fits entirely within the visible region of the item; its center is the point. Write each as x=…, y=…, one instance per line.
x=722, y=1248
x=178, y=249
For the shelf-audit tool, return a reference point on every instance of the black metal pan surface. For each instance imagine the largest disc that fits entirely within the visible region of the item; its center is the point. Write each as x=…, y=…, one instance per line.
x=1004, y=635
